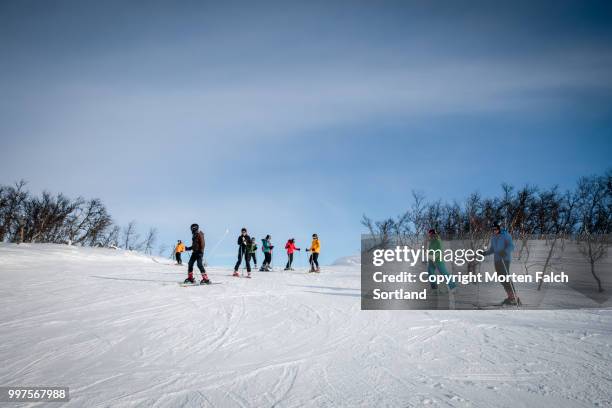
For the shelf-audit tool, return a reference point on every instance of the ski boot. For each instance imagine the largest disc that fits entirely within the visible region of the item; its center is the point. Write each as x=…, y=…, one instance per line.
x=205, y=280
x=189, y=280
x=248, y=275
x=511, y=302
x=236, y=274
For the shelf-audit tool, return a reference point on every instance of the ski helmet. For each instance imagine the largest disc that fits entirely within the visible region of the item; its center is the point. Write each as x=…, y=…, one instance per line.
x=195, y=227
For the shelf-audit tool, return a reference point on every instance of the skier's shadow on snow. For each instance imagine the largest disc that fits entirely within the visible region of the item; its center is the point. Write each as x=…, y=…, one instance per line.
x=132, y=279
x=334, y=294
x=329, y=288
x=322, y=287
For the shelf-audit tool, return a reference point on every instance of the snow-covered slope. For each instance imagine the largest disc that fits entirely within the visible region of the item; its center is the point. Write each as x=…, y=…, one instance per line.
x=353, y=260
x=117, y=329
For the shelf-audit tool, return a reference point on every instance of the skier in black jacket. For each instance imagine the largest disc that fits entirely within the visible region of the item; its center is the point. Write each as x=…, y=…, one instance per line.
x=197, y=248
x=243, y=252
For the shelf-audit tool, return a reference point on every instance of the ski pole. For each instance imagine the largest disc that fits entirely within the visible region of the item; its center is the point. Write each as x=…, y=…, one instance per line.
x=211, y=253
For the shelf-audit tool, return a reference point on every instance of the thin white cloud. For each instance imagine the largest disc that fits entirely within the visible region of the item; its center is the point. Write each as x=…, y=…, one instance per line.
x=272, y=104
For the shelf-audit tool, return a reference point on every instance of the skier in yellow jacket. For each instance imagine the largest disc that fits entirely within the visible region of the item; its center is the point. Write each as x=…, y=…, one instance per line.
x=315, y=249
x=178, y=250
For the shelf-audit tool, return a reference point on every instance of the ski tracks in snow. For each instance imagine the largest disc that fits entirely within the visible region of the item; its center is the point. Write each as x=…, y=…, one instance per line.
x=122, y=334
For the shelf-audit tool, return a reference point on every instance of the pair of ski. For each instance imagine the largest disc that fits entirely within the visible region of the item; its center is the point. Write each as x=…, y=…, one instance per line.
x=186, y=285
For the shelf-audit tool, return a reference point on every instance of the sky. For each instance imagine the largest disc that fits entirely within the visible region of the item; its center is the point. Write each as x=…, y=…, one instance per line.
x=290, y=118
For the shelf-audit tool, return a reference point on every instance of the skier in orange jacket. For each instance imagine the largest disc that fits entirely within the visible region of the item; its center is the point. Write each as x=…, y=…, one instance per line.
x=315, y=249
x=178, y=250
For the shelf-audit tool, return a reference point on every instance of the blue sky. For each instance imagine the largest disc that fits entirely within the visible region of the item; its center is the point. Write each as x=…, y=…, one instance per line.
x=297, y=117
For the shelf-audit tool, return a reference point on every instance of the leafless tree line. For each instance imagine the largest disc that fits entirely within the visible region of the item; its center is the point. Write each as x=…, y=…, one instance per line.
x=582, y=214
x=49, y=218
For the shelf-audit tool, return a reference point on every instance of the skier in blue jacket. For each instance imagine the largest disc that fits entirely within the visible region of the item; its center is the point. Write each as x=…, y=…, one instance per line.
x=267, y=247
x=501, y=247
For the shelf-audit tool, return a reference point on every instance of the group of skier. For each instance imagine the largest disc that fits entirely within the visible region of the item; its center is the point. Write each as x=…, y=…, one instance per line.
x=247, y=251
x=501, y=248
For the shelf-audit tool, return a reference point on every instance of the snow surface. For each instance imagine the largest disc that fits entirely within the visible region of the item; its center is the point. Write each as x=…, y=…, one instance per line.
x=117, y=328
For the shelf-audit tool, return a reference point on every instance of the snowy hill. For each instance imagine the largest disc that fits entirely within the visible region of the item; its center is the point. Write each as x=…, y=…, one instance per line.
x=353, y=260
x=117, y=329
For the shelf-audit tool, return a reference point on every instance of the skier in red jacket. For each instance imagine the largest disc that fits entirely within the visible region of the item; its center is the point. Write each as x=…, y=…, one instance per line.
x=290, y=247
